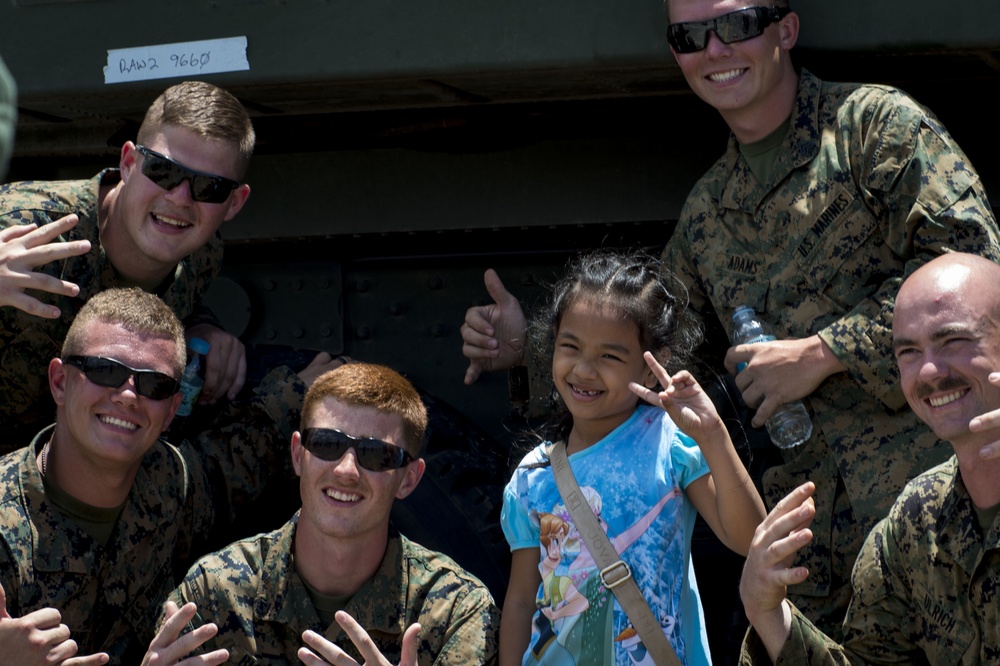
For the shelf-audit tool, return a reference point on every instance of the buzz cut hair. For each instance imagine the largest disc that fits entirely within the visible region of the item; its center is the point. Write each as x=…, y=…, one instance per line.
x=134, y=310
x=206, y=110
x=375, y=386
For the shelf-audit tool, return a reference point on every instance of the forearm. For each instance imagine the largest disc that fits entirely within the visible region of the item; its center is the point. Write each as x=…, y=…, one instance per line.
x=737, y=502
x=515, y=633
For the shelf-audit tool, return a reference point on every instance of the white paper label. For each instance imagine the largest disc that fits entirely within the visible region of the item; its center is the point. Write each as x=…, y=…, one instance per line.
x=183, y=59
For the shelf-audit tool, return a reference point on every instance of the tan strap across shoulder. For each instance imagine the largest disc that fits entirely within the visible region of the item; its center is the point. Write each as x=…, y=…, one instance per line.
x=615, y=573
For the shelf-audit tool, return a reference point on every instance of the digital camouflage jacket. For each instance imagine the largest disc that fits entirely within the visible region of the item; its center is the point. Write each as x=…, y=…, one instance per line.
x=925, y=587
x=28, y=343
x=251, y=590
x=866, y=187
x=110, y=597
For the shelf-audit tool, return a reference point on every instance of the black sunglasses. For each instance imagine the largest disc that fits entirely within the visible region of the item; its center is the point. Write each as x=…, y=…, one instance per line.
x=168, y=174
x=112, y=374
x=372, y=454
x=735, y=26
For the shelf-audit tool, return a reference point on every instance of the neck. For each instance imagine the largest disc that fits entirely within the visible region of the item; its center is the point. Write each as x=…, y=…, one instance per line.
x=103, y=486
x=979, y=476
x=336, y=567
x=754, y=122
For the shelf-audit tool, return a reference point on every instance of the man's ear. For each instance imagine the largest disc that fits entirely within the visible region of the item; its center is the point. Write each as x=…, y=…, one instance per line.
x=127, y=160
x=297, y=452
x=178, y=397
x=789, y=27
x=57, y=381
x=236, y=201
x=414, y=472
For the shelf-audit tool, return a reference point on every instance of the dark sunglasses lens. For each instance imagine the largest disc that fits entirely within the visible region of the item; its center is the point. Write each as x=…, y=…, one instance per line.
x=155, y=385
x=209, y=189
x=380, y=457
x=162, y=171
x=104, y=372
x=326, y=445
x=687, y=37
x=739, y=26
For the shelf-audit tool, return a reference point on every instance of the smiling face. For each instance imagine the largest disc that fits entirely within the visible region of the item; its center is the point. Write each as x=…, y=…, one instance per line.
x=151, y=229
x=751, y=83
x=596, y=355
x=98, y=425
x=341, y=499
x=946, y=338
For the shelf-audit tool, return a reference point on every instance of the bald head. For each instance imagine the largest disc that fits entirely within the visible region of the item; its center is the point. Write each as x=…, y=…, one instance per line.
x=952, y=275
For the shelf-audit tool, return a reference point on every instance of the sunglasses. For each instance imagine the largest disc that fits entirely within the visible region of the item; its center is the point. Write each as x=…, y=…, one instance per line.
x=372, y=454
x=168, y=174
x=112, y=374
x=733, y=27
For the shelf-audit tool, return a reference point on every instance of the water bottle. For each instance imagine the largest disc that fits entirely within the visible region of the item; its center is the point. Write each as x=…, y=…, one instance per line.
x=790, y=425
x=193, y=377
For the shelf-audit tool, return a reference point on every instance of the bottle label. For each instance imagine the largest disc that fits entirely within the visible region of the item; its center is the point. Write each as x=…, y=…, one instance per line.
x=759, y=338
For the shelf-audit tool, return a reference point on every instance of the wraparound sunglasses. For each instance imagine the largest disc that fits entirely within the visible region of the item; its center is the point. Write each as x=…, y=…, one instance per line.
x=372, y=454
x=168, y=174
x=112, y=374
x=733, y=27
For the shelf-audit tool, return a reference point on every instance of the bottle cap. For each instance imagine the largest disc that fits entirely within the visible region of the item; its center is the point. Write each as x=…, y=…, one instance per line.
x=198, y=346
x=740, y=310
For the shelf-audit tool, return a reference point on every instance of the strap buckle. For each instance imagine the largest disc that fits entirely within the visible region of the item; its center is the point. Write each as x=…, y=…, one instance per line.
x=615, y=574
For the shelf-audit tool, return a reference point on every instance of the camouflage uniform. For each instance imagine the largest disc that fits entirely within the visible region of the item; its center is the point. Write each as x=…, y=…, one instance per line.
x=925, y=587
x=867, y=186
x=27, y=342
x=252, y=592
x=110, y=596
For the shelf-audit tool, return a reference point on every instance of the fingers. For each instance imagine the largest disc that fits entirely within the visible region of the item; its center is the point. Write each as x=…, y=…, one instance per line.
x=360, y=638
x=169, y=646
x=3, y=604
x=323, y=651
x=92, y=660
x=496, y=290
x=226, y=367
x=408, y=656
x=472, y=372
x=25, y=247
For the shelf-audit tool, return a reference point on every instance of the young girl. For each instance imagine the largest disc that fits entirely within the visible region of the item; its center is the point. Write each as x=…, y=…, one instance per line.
x=644, y=474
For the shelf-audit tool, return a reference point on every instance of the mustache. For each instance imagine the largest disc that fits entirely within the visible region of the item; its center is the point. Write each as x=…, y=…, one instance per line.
x=923, y=391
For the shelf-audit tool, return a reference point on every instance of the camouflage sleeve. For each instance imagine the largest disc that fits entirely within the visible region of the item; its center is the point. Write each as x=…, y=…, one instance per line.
x=805, y=646
x=247, y=444
x=877, y=625
x=928, y=199
x=473, y=631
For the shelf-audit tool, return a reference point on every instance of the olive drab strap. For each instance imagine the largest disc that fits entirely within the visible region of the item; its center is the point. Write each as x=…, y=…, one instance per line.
x=615, y=573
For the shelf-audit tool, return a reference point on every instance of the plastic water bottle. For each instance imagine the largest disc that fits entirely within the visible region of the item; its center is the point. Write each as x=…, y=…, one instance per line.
x=193, y=377
x=790, y=425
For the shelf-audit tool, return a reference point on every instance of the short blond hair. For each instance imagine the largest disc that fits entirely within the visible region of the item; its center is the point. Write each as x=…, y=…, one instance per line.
x=206, y=110
x=376, y=386
x=134, y=310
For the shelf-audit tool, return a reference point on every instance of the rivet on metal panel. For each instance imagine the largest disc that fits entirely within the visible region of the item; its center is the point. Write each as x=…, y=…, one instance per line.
x=435, y=282
x=363, y=332
x=362, y=285
x=297, y=333
x=438, y=330
x=270, y=285
x=396, y=308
